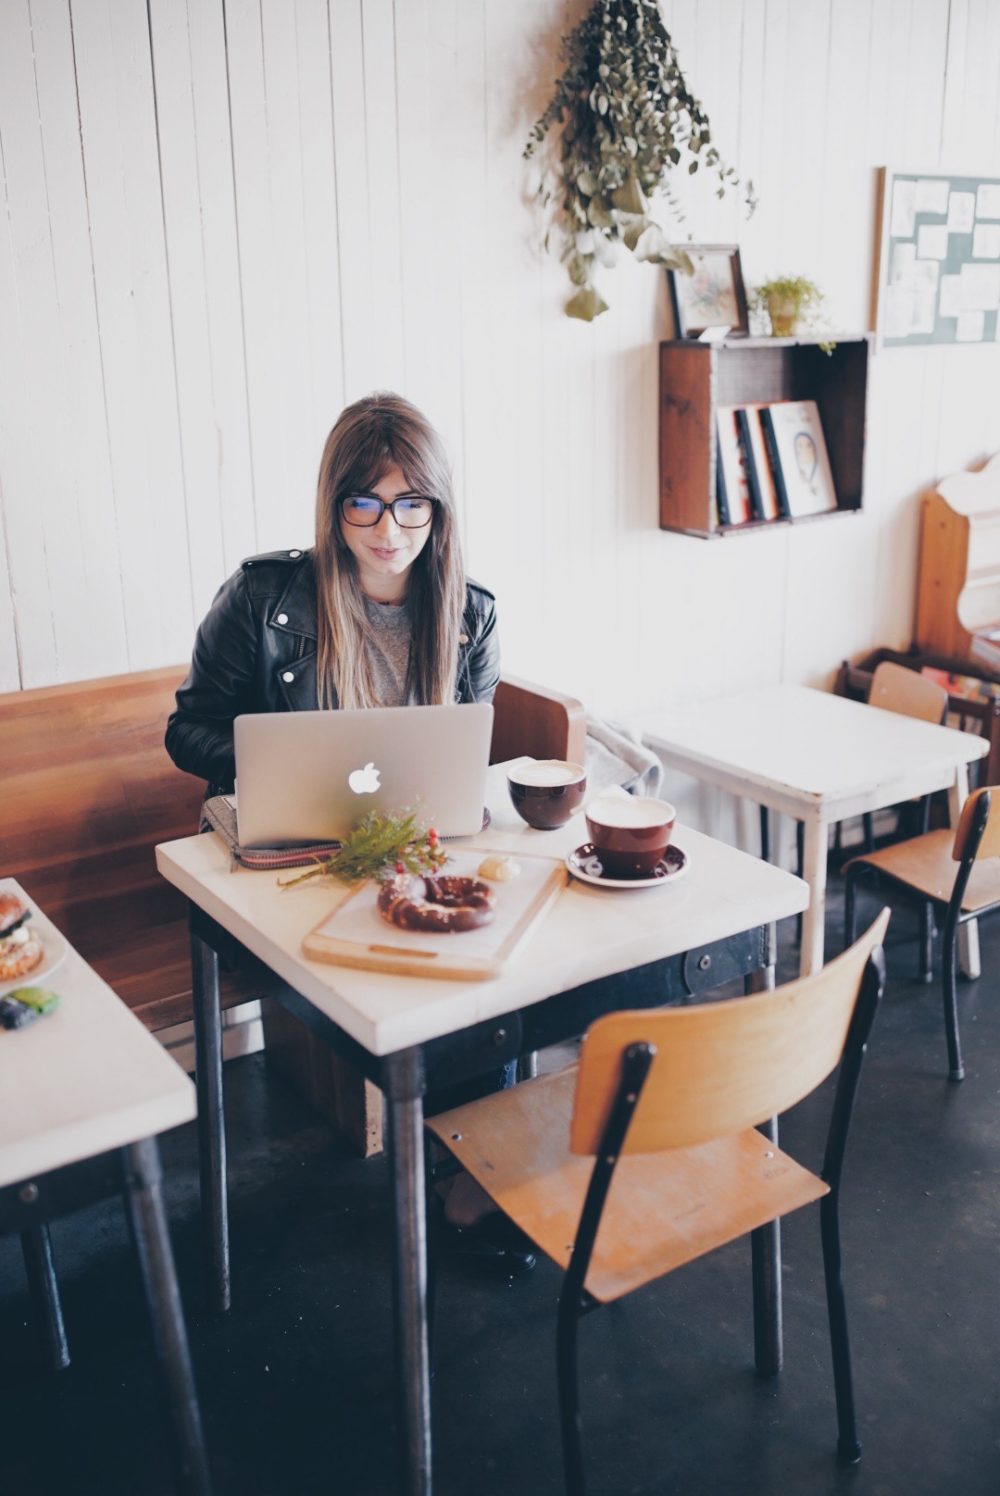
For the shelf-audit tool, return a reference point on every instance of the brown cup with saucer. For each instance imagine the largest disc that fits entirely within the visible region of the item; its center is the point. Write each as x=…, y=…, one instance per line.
x=630, y=834
x=546, y=792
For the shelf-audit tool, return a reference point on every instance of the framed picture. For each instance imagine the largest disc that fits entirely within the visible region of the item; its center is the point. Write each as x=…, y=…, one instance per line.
x=713, y=296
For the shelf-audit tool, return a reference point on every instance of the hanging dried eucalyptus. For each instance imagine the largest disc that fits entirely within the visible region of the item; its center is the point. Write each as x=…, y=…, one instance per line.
x=627, y=119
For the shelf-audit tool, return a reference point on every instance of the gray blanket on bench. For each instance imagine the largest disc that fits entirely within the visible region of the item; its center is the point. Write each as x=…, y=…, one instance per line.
x=615, y=756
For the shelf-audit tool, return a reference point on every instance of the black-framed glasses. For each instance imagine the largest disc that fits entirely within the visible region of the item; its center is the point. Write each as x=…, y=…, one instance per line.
x=411, y=511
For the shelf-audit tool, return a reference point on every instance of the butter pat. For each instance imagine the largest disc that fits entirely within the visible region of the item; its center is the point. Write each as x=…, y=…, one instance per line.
x=499, y=869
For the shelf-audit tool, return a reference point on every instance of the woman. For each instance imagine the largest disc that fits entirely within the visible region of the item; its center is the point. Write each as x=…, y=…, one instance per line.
x=378, y=613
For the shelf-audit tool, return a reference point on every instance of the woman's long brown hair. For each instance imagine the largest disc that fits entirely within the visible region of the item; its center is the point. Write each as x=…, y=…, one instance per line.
x=369, y=437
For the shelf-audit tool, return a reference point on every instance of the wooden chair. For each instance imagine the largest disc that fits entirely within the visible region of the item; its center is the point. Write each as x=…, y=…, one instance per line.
x=956, y=873
x=529, y=719
x=646, y=1156
x=896, y=689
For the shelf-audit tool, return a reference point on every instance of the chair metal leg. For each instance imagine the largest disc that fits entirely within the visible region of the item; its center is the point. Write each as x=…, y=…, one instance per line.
x=869, y=829
x=800, y=862
x=211, y=1122
x=149, y=1225
x=924, y=816
x=949, y=965
x=850, y=910
x=848, y=1445
x=433, y=1212
x=765, y=833
x=43, y=1286
x=765, y=1259
x=927, y=942
x=569, y=1394
x=765, y=1241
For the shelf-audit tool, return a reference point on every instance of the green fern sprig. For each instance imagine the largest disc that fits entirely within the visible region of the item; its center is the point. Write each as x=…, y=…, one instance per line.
x=381, y=845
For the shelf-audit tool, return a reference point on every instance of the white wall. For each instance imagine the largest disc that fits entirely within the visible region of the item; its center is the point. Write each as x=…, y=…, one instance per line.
x=222, y=221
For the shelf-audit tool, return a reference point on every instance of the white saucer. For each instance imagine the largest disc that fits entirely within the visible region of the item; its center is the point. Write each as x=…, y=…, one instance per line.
x=54, y=949
x=584, y=863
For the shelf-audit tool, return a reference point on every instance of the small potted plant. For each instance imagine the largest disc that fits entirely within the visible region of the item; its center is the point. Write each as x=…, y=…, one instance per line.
x=791, y=302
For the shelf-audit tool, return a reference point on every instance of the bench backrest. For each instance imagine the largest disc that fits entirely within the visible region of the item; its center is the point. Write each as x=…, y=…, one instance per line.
x=88, y=791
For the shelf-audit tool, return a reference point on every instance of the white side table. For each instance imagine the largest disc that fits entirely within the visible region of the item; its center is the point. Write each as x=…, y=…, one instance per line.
x=83, y=1093
x=819, y=758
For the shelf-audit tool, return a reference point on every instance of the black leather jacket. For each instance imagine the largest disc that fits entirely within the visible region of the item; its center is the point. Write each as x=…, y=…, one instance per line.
x=256, y=652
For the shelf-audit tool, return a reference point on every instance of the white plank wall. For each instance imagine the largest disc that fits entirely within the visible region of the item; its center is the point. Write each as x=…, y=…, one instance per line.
x=225, y=218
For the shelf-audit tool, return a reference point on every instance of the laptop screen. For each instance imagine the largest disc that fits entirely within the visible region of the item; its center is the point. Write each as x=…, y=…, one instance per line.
x=312, y=776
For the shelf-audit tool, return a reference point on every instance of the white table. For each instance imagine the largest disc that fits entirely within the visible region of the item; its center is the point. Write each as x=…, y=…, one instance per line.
x=408, y=1033
x=819, y=758
x=83, y=1092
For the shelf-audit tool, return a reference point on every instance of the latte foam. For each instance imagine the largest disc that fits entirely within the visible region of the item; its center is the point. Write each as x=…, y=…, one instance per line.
x=545, y=773
x=632, y=814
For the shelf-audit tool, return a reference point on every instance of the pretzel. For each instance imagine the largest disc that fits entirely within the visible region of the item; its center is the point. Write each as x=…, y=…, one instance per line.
x=444, y=905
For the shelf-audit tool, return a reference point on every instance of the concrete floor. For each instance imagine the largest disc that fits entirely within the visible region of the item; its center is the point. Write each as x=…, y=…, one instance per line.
x=295, y=1384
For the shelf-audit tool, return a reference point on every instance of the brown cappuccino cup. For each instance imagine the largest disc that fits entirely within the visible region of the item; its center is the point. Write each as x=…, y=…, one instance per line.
x=545, y=792
x=630, y=834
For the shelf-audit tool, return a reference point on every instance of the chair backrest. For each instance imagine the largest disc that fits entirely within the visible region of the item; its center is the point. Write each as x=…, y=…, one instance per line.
x=896, y=689
x=724, y=1066
x=531, y=719
x=972, y=810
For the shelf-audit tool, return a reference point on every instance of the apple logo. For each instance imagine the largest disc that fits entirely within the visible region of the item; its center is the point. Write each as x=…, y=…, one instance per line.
x=364, y=781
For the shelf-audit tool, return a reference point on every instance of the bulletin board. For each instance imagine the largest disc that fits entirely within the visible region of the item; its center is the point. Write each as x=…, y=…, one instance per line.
x=939, y=259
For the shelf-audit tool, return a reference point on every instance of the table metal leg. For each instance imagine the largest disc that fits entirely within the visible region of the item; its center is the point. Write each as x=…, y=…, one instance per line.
x=211, y=1121
x=36, y=1244
x=968, y=935
x=814, y=873
x=149, y=1225
x=765, y=1241
x=406, y=1143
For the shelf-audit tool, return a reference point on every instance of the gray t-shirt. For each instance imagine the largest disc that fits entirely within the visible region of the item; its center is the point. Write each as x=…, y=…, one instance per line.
x=389, y=650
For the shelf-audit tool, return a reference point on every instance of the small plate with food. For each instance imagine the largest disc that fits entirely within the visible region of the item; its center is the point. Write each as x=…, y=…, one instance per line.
x=26, y=951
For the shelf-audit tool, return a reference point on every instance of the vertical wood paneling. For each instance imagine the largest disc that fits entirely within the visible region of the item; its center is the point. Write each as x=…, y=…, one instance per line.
x=196, y=173
x=430, y=211
x=222, y=285
x=63, y=554
x=118, y=131
x=264, y=208
x=360, y=323
x=263, y=91
x=23, y=245
x=322, y=253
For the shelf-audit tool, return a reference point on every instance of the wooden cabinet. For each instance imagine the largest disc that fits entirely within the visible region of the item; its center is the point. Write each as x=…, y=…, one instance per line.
x=958, y=595
x=696, y=378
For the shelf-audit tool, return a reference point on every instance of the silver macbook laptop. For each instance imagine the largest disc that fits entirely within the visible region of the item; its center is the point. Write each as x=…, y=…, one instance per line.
x=311, y=776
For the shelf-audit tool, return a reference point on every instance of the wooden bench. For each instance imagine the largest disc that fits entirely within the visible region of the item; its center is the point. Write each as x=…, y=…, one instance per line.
x=89, y=791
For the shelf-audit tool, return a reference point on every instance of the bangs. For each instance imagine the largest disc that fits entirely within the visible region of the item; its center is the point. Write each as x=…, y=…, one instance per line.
x=381, y=446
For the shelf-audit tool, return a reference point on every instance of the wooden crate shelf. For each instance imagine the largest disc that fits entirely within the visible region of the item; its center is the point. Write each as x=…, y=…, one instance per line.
x=696, y=378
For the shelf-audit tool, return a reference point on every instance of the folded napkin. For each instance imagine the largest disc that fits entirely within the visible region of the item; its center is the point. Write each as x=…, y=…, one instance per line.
x=614, y=755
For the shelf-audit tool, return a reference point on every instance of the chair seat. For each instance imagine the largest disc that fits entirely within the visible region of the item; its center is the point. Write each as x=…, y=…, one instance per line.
x=664, y=1209
x=925, y=864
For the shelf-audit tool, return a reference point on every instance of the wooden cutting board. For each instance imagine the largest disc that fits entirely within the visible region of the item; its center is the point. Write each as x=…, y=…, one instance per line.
x=355, y=934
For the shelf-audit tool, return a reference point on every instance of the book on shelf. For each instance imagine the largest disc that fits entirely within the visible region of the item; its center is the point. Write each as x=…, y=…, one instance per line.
x=973, y=687
x=798, y=453
x=733, y=467
x=774, y=495
x=721, y=493
x=763, y=499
